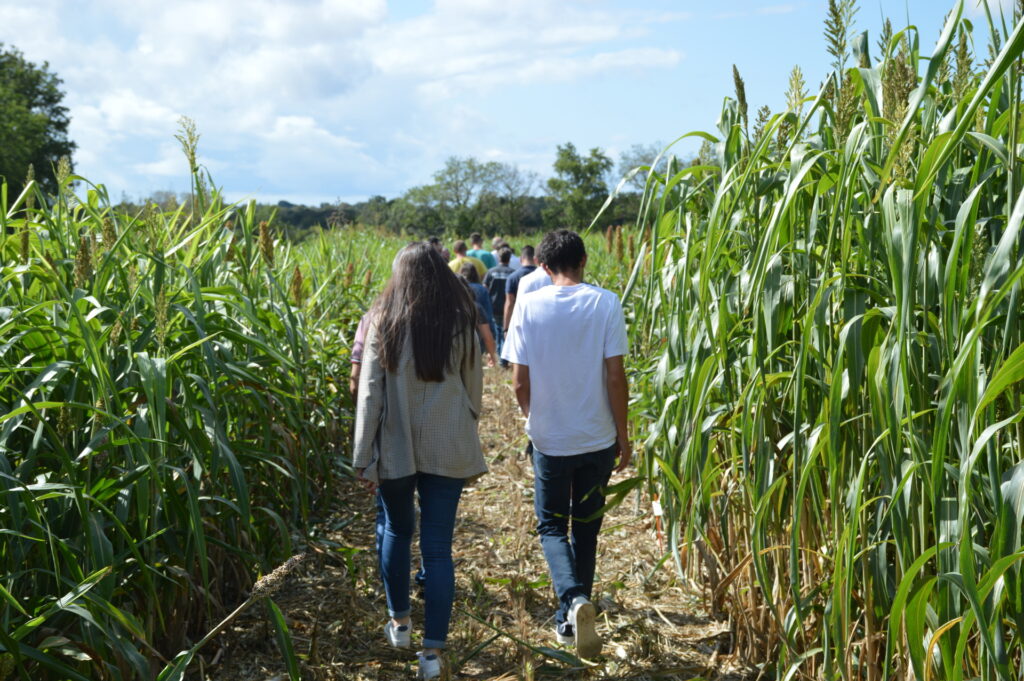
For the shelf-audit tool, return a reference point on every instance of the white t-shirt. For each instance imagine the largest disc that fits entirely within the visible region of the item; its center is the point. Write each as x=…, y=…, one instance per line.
x=533, y=281
x=564, y=334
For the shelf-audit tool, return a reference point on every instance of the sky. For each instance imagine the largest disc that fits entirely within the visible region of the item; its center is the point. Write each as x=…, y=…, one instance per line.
x=316, y=101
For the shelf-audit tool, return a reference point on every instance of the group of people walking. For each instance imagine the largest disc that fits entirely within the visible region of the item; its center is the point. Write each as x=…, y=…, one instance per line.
x=418, y=379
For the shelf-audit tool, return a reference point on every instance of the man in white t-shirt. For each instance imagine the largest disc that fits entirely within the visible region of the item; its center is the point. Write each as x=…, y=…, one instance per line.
x=566, y=345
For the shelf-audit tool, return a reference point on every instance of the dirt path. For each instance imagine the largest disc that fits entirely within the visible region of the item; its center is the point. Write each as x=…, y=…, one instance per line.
x=502, y=627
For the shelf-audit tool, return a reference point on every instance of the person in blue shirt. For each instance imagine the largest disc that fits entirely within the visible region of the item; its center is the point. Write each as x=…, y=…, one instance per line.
x=483, y=306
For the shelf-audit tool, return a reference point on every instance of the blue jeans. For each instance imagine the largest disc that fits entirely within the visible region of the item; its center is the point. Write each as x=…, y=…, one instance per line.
x=379, y=526
x=570, y=487
x=439, y=501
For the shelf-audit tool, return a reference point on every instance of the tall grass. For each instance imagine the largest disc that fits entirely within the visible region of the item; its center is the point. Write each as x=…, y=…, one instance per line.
x=173, y=409
x=834, y=300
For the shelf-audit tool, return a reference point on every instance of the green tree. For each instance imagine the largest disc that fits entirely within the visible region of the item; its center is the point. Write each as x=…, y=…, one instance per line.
x=514, y=187
x=504, y=203
x=579, y=187
x=374, y=211
x=457, y=190
x=459, y=200
x=33, y=122
x=416, y=213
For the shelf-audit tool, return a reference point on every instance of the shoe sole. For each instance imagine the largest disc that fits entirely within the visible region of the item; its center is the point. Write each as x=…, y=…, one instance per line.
x=588, y=643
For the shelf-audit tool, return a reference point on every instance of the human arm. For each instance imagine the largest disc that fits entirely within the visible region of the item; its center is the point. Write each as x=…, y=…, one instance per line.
x=510, y=303
x=358, y=345
x=521, y=385
x=485, y=303
x=618, y=398
x=369, y=405
x=492, y=352
x=471, y=372
x=353, y=379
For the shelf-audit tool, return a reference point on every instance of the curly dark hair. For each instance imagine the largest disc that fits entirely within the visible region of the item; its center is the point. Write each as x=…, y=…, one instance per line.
x=562, y=250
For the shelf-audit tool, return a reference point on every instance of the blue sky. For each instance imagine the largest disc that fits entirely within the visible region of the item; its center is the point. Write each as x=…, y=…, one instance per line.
x=320, y=100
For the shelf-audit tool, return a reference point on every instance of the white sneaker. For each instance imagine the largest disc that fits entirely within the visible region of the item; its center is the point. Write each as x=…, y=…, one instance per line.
x=582, y=616
x=398, y=636
x=564, y=635
x=430, y=666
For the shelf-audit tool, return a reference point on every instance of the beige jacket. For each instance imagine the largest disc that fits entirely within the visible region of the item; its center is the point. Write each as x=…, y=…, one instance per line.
x=406, y=426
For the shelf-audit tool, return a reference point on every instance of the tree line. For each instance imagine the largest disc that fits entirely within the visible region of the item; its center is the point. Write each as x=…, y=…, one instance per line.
x=468, y=195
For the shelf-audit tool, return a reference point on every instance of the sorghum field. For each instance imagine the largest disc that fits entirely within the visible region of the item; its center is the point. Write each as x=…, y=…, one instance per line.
x=834, y=312
x=174, y=400
x=825, y=315
x=175, y=414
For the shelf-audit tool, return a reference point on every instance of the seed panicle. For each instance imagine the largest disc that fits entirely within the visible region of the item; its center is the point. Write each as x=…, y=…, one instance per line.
x=269, y=584
x=266, y=243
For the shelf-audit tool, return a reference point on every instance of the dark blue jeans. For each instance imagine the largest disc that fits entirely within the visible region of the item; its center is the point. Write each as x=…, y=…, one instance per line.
x=439, y=501
x=570, y=487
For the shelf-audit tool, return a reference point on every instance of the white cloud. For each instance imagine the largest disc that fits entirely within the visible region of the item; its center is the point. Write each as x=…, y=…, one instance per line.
x=290, y=92
x=300, y=148
x=170, y=164
x=473, y=44
x=305, y=130
x=126, y=112
x=552, y=69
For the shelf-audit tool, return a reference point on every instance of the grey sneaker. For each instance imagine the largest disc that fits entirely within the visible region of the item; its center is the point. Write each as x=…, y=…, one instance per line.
x=398, y=636
x=430, y=666
x=582, y=616
x=564, y=634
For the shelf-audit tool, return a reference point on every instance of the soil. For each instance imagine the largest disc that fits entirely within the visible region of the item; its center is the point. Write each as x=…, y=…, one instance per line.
x=653, y=623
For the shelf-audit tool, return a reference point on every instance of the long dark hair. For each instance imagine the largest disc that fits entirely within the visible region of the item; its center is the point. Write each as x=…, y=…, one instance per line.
x=426, y=299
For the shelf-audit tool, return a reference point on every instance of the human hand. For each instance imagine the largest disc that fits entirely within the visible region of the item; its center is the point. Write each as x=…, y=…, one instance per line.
x=625, y=454
x=369, y=485
x=491, y=360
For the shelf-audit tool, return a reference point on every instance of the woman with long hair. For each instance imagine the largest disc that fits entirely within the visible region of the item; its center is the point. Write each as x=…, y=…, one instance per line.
x=419, y=398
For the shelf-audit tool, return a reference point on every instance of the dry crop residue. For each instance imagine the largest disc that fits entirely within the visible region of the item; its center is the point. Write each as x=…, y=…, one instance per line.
x=502, y=627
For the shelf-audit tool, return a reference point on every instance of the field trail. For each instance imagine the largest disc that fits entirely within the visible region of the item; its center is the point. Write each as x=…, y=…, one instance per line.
x=502, y=628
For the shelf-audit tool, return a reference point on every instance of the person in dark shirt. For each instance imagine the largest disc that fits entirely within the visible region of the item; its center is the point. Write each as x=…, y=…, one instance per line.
x=495, y=281
x=483, y=306
x=512, y=283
